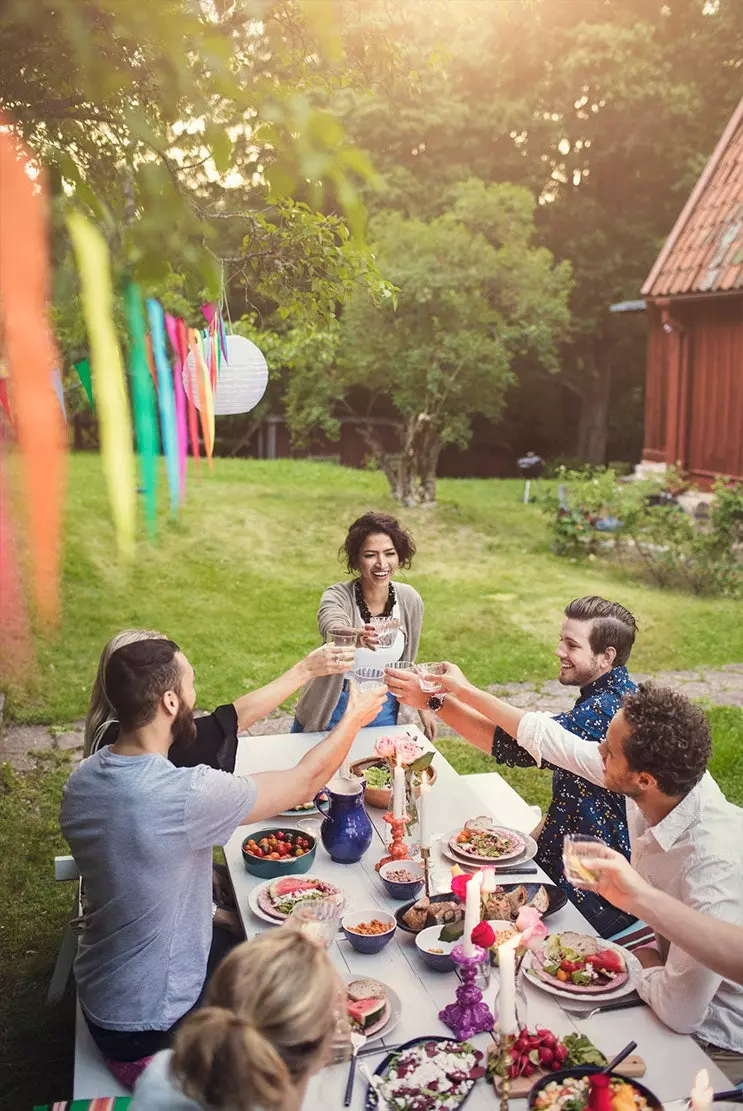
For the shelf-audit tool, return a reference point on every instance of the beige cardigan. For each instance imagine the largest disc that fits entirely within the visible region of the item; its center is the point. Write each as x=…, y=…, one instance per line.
x=319, y=697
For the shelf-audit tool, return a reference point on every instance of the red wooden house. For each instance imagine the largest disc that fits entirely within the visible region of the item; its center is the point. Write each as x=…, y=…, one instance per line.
x=694, y=293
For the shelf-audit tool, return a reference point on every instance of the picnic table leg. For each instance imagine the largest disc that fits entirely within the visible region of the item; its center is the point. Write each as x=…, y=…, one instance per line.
x=65, y=957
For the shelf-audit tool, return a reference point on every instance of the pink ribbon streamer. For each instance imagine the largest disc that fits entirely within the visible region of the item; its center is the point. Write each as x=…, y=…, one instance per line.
x=181, y=424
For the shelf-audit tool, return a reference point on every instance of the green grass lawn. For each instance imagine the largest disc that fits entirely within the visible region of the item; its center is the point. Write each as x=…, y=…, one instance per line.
x=236, y=581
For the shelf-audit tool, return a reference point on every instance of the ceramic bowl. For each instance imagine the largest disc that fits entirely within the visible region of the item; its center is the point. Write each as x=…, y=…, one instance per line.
x=289, y=866
x=380, y=798
x=396, y=889
x=427, y=940
x=589, y=1070
x=368, y=943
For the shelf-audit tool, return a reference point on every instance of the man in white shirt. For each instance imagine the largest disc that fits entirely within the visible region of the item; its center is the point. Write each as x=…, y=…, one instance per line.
x=142, y=831
x=685, y=837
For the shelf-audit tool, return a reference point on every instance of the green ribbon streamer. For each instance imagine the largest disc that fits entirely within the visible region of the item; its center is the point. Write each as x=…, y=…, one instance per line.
x=144, y=404
x=83, y=373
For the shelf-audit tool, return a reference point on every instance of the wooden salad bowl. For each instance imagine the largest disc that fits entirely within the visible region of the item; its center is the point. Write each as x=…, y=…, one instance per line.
x=380, y=798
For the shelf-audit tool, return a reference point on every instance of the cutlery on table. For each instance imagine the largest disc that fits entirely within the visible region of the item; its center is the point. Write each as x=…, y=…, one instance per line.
x=619, y=1005
x=358, y=1041
x=368, y=1050
x=372, y=1082
x=619, y=1057
x=733, y=1095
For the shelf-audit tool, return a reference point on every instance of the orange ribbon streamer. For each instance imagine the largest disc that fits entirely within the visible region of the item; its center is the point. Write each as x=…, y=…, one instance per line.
x=31, y=357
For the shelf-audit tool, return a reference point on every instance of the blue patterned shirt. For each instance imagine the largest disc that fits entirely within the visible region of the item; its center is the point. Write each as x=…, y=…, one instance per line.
x=578, y=806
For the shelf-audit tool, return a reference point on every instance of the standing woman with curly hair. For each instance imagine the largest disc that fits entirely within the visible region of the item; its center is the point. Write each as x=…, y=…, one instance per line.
x=375, y=549
x=267, y=1025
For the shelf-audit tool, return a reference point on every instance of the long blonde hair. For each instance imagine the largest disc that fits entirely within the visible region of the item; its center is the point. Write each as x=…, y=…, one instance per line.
x=267, y=1025
x=100, y=711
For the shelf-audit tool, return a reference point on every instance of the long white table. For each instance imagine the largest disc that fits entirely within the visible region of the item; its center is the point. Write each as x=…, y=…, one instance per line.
x=672, y=1059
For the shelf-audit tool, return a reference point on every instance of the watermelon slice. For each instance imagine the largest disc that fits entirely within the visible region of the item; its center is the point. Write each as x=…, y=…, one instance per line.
x=366, y=1012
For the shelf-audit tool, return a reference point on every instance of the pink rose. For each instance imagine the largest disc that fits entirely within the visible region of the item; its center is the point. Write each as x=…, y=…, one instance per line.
x=385, y=748
x=532, y=928
x=408, y=750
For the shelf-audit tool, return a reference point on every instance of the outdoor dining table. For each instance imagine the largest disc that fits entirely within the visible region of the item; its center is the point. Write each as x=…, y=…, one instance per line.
x=673, y=1060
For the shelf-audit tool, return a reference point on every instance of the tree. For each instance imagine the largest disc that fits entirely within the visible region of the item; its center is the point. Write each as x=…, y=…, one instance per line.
x=473, y=295
x=604, y=109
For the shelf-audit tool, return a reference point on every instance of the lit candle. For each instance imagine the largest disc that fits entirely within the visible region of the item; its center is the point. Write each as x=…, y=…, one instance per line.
x=471, y=914
x=398, y=791
x=424, y=813
x=488, y=880
x=507, y=996
x=702, y=1092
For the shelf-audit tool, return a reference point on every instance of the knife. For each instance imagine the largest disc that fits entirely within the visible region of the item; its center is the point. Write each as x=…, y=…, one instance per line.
x=519, y=870
x=619, y=1005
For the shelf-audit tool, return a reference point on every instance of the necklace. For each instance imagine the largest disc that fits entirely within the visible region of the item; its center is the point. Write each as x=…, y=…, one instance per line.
x=364, y=609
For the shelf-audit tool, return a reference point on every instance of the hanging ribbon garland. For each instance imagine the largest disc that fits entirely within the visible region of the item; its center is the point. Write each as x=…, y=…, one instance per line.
x=83, y=373
x=114, y=415
x=30, y=353
x=198, y=387
x=171, y=326
x=166, y=399
x=144, y=404
x=193, y=420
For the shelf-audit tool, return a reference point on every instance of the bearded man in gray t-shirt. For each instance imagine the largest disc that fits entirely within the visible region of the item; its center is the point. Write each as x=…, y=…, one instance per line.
x=142, y=831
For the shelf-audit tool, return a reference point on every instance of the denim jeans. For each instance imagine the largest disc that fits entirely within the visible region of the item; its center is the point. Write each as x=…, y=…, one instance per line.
x=386, y=716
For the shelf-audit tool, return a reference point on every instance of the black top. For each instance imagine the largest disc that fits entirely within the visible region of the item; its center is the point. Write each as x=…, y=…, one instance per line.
x=215, y=744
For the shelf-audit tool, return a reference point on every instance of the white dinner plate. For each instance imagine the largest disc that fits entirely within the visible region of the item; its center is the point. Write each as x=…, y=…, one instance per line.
x=529, y=852
x=392, y=1014
x=259, y=912
x=634, y=975
x=512, y=854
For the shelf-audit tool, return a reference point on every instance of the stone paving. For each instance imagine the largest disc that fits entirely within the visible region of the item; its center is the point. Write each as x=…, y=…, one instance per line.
x=21, y=744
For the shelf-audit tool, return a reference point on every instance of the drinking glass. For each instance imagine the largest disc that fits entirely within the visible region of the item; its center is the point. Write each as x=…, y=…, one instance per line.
x=575, y=871
x=342, y=636
x=427, y=675
x=401, y=665
x=367, y=678
x=386, y=629
x=318, y=919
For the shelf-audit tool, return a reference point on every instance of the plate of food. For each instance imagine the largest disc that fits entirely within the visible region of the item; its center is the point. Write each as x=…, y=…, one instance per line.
x=481, y=841
x=438, y=910
x=305, y=809
x=469, y=865
x=445, y=1070
x=504, y=903
x=373, y=1008
x=576, y=964
x=275, y=900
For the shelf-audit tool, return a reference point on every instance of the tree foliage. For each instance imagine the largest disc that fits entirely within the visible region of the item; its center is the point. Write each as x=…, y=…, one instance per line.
x=473, y=295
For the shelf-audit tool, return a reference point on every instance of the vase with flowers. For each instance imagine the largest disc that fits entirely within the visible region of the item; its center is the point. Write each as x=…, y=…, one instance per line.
x=378, y=771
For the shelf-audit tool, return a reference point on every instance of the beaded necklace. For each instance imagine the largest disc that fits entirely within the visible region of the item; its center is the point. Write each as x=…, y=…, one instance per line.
x=364, y=609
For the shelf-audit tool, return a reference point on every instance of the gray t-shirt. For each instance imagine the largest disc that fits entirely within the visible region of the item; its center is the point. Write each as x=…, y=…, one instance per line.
x=141, y=832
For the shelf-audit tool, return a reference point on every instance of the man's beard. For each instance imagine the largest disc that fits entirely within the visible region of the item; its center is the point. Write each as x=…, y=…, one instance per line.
x=575, y=677
x=183, y=729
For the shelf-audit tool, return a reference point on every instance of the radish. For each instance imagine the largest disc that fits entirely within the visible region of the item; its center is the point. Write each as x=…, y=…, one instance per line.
x=546, y=1056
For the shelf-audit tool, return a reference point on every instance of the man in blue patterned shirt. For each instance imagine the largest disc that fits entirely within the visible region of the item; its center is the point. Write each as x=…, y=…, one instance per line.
x=596, y=639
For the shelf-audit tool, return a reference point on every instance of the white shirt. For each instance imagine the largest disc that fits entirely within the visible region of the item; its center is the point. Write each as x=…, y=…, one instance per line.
x=156, y=1089
x=695, y=854
x=381, y=657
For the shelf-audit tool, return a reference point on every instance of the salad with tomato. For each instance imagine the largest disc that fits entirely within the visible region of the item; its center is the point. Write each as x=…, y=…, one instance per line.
x=580, y=961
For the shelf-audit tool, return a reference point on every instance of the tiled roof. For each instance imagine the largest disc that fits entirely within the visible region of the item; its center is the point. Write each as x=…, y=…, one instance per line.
x=704, y=252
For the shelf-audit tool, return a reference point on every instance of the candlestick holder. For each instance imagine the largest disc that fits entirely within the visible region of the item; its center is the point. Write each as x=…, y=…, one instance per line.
x=506, y=1045
x=469, y=1015
x=426, y=858
x=397, y=849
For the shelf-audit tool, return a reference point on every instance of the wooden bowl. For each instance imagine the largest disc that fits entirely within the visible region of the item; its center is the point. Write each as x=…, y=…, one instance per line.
x=380, y=798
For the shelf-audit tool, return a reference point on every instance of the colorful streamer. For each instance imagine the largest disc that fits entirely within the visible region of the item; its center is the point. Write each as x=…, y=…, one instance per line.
x=202, y=390
x=59, y=391
x=165, y=398
x=144, y=404
x=5, y=399
x=193, y=425
x=114, y=416
x=83, y=373
x=171, y=326
x=30, y=353
x=16, y=653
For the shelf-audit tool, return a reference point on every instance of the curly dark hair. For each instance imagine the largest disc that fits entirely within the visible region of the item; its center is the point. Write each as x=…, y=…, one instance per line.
x=366, y=526
x=670, y=737
x=612, y=626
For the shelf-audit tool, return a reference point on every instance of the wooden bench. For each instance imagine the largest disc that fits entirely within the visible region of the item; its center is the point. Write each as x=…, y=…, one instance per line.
x=92, y=1080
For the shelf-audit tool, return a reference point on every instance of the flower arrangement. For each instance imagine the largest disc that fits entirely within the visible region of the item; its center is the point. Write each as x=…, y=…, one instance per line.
x=388, y=751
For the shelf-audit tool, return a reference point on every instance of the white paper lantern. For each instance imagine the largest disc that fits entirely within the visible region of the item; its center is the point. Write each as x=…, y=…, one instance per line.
x=241, y=382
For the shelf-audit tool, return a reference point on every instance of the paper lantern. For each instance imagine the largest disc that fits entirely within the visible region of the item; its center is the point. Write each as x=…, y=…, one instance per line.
x=242, y=380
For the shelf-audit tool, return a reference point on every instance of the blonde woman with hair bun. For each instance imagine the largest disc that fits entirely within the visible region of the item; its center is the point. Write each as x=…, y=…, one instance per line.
x=266, y=1027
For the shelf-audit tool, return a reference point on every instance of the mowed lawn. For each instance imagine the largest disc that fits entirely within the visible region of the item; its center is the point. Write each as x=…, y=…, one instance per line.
x=236, y=580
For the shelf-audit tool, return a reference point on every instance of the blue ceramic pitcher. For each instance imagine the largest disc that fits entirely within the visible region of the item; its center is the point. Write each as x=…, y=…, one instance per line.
x=346, y=832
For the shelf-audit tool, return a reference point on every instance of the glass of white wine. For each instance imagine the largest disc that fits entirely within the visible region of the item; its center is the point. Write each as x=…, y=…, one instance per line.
x=575, y=846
